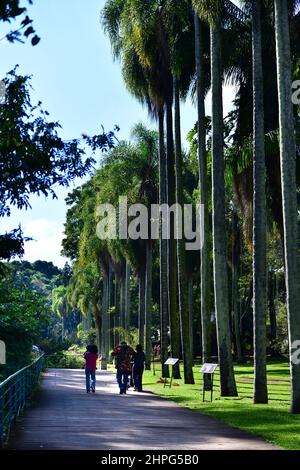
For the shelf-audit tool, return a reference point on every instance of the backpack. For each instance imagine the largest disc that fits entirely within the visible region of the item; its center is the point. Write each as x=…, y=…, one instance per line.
x=122, y=356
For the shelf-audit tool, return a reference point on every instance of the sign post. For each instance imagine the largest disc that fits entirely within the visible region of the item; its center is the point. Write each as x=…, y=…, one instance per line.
x=208, y=371
x=170, y=362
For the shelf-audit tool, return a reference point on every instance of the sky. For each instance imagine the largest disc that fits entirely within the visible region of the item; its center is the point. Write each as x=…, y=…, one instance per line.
x=74, y=75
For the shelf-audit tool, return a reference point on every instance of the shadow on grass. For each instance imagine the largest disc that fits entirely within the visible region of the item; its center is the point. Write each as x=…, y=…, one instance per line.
x=273, y=424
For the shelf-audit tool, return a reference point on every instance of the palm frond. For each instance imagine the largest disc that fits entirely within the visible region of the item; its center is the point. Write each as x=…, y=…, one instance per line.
x=111, y=21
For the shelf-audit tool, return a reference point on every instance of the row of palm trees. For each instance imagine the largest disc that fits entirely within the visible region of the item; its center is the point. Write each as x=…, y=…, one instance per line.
x=155, y=43
x=103, y=269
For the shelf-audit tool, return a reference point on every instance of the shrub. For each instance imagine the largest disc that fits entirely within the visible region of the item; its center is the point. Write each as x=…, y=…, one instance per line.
x=65, y=360
x=52, y=345
x=86, y=337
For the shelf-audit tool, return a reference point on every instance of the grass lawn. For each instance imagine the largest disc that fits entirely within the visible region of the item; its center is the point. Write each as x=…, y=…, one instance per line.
x=272, y=422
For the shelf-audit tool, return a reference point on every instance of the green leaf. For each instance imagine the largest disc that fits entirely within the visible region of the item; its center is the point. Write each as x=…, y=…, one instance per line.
x=34, y=41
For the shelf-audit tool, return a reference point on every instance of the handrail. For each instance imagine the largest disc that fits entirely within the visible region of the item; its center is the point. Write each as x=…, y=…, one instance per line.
x=15, y=392
x=18, y=372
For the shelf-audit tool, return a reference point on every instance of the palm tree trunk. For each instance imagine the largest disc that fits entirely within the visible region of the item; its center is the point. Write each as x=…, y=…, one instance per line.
x=127, y=296
x=289, y=191
x=148, y=303
x=97, y=316
x=88, y=320
x=113, y=338
x=181, y=262
x=204, y=250
x=109, y=304
x=234, y=291
x=259, y=215
x=122, y=301
x=272, y=307
x=102, y=346
x=117, y=309
x=142, y=289
x=172, y=271
x=227, y=380
x=62, y=329
x=163, y=252
x=191, y=311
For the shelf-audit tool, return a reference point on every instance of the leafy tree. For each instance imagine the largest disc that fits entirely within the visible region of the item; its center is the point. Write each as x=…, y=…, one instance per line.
x=12, y=244
x=11, y=10
x=33, y=158
x=24, y=316
x=46, y=268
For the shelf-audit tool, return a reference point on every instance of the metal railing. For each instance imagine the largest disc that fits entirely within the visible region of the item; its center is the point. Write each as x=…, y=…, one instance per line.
x=15, y=392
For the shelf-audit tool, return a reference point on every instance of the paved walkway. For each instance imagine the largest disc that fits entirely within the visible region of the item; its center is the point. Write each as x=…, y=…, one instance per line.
x=66, y=418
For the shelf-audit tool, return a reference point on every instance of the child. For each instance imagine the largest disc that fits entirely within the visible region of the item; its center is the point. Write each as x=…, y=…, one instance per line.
x=90, y=356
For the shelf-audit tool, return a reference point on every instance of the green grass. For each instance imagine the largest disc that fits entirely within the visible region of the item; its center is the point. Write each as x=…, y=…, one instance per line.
x=272, y=422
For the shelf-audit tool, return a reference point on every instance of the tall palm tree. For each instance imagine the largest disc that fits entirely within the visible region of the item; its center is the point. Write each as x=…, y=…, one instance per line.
x=153, y=50
x=289, y=190
x=171, y=196
x=147, y=84
x=259, y=213
x=181, y=258
x=147, y=146
x=163, y=251
x=228, y=386
x=172, y=254
x=178, y=24
x=204, y=250
x=131, y=170
x=213, y=11
x=60, y=305
x=84, y=291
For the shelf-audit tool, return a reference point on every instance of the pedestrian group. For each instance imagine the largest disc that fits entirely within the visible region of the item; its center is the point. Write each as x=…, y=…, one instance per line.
x=129, y=365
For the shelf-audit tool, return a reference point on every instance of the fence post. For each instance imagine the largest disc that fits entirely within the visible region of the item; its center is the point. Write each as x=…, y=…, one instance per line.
x=2, y=413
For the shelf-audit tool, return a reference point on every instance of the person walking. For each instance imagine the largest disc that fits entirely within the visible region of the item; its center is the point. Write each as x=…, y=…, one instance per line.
x=138, y=368
x=123, y=355
x=91, y=357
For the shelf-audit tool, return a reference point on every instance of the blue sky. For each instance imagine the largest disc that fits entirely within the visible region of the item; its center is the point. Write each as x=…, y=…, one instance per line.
x=74, y=75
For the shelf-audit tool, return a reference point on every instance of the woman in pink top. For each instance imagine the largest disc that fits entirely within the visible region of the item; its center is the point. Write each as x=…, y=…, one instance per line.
x=91, y=357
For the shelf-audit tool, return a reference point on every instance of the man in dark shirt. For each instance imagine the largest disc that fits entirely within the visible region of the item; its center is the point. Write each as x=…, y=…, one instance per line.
x=138, y=368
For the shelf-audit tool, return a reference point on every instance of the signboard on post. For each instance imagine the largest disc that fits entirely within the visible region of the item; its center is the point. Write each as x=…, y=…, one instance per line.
x=171, y=361
x=208, y=368
x=2, y=353
x=208, y=371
